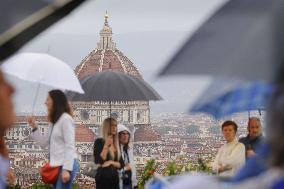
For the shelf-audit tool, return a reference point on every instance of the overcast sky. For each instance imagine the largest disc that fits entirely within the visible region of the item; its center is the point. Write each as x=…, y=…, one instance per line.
x=148, y=32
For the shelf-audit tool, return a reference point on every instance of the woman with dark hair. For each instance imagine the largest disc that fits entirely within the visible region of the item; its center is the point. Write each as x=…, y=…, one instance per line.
x=231, y=156
x=107, y=156
x=60, y=138
x=128, y=172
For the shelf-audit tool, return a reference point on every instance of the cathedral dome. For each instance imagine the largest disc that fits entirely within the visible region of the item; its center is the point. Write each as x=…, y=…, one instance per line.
x=106, y=57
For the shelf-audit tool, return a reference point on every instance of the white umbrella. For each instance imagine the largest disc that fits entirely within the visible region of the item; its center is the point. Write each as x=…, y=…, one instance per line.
x=42, y=69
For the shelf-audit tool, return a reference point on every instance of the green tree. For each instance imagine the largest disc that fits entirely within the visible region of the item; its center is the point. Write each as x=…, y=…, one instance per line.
x=149, y=170
x=203, y=166
x=171, y=169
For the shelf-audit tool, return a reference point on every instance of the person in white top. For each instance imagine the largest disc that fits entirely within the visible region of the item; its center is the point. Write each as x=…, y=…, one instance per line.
x=231, y=156
x=129, y=180
x=273, y=178
x=60, y=138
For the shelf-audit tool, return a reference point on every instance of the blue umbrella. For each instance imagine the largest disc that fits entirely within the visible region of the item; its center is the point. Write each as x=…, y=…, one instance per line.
x=241, y=97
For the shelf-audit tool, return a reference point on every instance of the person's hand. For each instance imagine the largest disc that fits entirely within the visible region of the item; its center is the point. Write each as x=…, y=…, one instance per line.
x=65, y=176
x=250, y=153
x=227, y=167
x=223, y=168
x=109, y=141
x=31, y=121
x=107, y=163
x=11, y=177
x=127, y=167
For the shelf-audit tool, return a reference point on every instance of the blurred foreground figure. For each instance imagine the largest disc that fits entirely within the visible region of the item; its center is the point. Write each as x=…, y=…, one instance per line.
x=7, y=118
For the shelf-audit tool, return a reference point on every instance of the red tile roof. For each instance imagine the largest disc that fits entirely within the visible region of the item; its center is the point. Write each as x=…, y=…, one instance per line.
x=84, y=134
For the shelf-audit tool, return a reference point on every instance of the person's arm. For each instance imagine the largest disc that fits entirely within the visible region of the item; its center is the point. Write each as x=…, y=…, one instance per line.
x=116, y=164
x=106, y=146
x=104, y=152
x=237, y=157
x=98, y=147
x=68, y=131
x=250, y=153
x=254, y=166
x=133, y=168
x=42, y=140
x=108, y=163
x=10, y=177
x=215, y=164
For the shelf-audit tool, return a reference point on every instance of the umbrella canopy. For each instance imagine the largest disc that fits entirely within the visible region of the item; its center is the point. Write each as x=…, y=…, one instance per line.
x=241, y=97
x=42, y=69
x=243, y=39
x=23, y=20
x=114, y=86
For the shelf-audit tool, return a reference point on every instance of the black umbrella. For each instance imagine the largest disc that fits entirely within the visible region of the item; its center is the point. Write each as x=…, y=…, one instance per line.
x=114, y=86
x=243, y=39
x=21, y=20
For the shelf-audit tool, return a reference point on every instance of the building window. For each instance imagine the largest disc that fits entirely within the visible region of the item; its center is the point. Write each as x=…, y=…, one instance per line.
x=138, y=116
x=131, y=116
x=99, y=116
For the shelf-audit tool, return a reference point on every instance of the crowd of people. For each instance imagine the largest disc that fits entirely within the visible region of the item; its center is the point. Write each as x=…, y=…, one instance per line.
x=113, y=153
x=242, y=161
x=254, y=161
x=114, y=157
x=232, y=155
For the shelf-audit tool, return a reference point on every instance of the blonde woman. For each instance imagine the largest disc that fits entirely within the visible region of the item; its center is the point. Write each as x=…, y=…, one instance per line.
x=107, y=156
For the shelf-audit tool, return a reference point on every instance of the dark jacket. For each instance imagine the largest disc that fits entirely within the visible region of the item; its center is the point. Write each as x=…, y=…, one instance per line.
x=251, y=144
